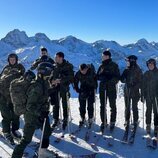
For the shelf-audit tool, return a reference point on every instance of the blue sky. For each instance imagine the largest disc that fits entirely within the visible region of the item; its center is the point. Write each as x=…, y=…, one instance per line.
x=124, y=21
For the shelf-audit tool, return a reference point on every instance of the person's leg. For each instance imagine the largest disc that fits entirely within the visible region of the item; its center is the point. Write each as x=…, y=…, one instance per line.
x=112, y=102
x=148, y=115
x=7, y=115
x=155, y=110
x=82, y=107
x=26, y=139
x=135, y=110
x=90, y=106
x=65, y=104
x=127, y=109
x=47, y=133
x=56, y=106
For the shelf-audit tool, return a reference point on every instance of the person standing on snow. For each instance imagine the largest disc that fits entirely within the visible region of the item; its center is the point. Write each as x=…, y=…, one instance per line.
x=62, y=76
x=10, y=121
x=150, y=95
x=43, y=58
x=132, y=77
x=108, y=74
x=37, y=110
x=86, y=76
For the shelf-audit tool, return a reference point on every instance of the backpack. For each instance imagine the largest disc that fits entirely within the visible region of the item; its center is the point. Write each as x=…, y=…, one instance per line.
x=18, y=90
x=5, y=81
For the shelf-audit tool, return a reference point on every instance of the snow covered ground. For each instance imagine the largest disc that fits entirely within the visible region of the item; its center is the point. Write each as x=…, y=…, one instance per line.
x=79, y=146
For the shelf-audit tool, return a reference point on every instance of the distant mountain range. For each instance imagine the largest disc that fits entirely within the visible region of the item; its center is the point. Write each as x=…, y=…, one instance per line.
x=76, y=50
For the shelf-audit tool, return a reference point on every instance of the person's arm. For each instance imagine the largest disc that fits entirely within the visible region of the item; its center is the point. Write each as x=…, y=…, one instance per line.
x=123, y=77
x=3, y=71
x=22, y=69
x=34, y=93
x=100, y=75
x=76, y=82
x=35, y=64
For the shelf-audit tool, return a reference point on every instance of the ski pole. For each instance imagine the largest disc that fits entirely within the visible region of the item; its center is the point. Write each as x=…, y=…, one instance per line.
x=59, y=100
x=105, y=110
x=131, y=111
x=69, y=113
x=130, y=105
x=143, y=114
x=44, y=124
x=156, y=105
x=95, y=105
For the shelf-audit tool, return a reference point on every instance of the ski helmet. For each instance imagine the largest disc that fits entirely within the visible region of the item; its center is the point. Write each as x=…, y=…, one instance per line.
x=45, y=68
x=29, y=75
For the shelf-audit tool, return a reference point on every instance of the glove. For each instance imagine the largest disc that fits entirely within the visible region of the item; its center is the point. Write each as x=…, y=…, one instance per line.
x=44, y=114
x=78, y=90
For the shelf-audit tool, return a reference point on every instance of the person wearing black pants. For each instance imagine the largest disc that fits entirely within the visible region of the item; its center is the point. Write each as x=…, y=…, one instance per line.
x=150, y=94
x=86, y=76
x=132, y=77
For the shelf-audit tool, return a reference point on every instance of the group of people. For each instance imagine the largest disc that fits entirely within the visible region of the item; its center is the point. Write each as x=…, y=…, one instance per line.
x=51, y=84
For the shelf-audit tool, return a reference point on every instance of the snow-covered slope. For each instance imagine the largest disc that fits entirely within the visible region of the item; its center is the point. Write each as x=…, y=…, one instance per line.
x=76, y=50
x=77, y=147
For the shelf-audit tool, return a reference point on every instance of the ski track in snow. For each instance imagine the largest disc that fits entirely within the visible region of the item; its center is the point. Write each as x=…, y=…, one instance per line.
x=79, y=146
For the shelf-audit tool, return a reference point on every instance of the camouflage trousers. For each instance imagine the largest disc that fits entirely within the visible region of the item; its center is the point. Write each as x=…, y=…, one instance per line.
x=10, y=121
x=31, y=124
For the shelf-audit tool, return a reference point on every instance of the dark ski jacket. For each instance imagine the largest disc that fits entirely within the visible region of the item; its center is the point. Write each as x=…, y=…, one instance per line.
x=108, y=74
x=150, y=84
x=88, y=82
x=132, y=77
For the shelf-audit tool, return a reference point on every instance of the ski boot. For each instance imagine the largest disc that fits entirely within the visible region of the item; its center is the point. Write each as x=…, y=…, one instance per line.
x=9, y=138
x=102, y=127
x=148, y=129
x=55, y=124
x=90, y=121
x=154, y=139
x=81, y=122
x=112, y=126
x=16, y=134
x=125, y=136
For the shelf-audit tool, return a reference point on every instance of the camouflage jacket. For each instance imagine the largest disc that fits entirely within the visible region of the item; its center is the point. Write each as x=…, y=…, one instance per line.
x=8, y=74
x=38, y=61
x=37, y=97
x=64, y=72
x=12, y=69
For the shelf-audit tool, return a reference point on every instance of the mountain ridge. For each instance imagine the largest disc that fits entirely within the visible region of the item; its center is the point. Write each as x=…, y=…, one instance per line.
x=28, y=48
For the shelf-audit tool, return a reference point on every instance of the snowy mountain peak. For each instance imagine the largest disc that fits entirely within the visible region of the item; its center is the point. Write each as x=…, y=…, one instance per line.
x=142, y=41
x=41, y=36
x=70, y=39
x=16, y=38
